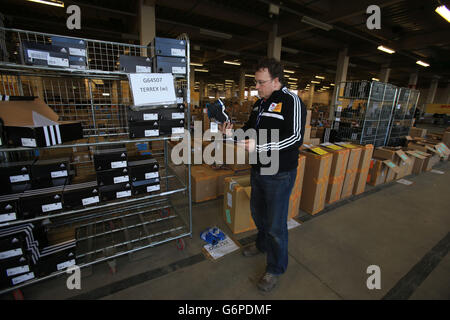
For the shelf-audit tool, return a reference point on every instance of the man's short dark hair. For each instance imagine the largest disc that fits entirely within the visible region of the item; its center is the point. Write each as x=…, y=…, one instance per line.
x=273, y=66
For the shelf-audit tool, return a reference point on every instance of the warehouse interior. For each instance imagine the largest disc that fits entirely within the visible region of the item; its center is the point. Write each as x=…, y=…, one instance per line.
x=374, y=77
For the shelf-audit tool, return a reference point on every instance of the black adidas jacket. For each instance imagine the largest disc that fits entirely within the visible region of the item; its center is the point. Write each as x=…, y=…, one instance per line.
x=285, y=111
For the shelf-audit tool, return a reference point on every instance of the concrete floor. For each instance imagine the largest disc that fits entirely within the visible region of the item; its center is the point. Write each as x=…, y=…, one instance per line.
x=402, y=229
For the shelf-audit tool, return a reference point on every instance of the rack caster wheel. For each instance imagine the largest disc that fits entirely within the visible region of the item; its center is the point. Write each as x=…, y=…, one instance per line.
x=180, y=244
x=164, y=213
x=18, y=295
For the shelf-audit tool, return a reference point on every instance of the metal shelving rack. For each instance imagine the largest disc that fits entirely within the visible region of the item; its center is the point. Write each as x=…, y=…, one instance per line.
x=403, y=115
x=99, y=97
x=363, y=111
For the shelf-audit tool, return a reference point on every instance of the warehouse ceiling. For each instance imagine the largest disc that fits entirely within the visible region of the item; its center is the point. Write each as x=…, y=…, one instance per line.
x=240, y=31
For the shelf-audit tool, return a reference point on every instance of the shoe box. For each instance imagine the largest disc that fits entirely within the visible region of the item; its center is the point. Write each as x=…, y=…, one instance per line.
x=9, y=208
x=56, y=258
x=113, y=176
x=40, y=202
x=167, y=47
x=15, y=176
x=115, y=191
x=143, y=129
x=135, y=64
x=146, y=186
x=40, y=54
x=110, y=158
x=143, y=169
x=45, y=170
x=163, y=112
x=171, y=126
x=172, y=65
x=80, y=195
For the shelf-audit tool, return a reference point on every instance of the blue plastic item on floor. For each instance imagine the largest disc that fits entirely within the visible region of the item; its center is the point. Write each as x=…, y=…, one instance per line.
x=212, y=235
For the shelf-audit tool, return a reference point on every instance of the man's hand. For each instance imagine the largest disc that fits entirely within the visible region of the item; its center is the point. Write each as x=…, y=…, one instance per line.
x=249, y=145
x=225, y=128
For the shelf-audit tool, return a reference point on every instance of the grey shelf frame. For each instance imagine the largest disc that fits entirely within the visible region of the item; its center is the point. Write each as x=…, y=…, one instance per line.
x=12, y=78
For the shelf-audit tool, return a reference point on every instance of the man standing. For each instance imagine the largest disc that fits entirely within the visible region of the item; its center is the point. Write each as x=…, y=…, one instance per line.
x=282, y=110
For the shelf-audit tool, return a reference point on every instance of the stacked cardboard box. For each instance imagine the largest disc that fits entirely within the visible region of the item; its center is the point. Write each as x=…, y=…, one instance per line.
x=352, y=168
x=417, y=132
x=399, y=158
x=337, y=173
x=363, y=169
x=296, y=194
x=315, y=182
x=377, y=172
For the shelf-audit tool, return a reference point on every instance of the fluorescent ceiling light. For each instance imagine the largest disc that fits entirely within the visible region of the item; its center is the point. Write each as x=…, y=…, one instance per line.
x=196, y=64
x=375, y=79
x=212, y=97
x=55, y=3
x=290, y=50
x=390, y=51
x=216, y=34
x=319, y=77
x=232, y=62
x=316, y=23
x=289, y=71
x=201, y=70
x=105, y=94
x=229, y=80
x=295, y=79
x=332, y=84
x=444, y=12
x=424, y=64
x=326, y=87
x=249, y=75
x=315, y=81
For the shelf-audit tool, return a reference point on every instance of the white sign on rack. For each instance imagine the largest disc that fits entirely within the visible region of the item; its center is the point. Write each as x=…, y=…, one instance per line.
x=152, y=88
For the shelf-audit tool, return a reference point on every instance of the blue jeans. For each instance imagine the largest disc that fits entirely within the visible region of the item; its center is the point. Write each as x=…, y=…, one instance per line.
x=269, y=204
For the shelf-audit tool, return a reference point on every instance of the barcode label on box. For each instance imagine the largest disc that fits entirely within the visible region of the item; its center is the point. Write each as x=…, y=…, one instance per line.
x=40, y=55
x=59, y=62
x=177, y=130
x=179, y=70
x=150, y=116
x=52, y=207
x=65, y=265
x=151, y=133
x=23, y=278
x=73, y=66
x=17, y=270
x=8, y=217
x=151, y=175
x=91, y=200
x=179, y=100
x=118, y=164
x=121, y=179
x=153, y=188
x=27, y=142
x=178, y=115
x=143, y=69
x=77, y=52
x=10, y=253
x=123, y=194
x=178, y=52
x=229, y=199
x=19, y=178
x=59, y=174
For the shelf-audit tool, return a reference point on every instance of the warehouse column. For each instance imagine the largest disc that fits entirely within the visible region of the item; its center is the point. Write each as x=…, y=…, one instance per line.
x=447, y=93
x=274, y=44
x=192, y=81
x=242, y=86
x=311, y=95
x=384, y=73
x=147, y=28
x=432, y=90
x=201, y=92
x=341, y=76
x=412, y=83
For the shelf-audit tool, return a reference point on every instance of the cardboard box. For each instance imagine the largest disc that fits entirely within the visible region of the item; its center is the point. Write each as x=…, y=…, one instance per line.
x=434, y=154
x=307, y=134
x=363, y=169
x=377, y=172
x=221, y=175
x=315, y=181
x=446, y=138
x=337, y=172
x=308, y=118
x=352, y=168
x=314, y=142
x=32, y=123
x=398, y=157
x=419, y=162
x=236, y=204
x=296, y=194
x=417, y=132
x=204, y=183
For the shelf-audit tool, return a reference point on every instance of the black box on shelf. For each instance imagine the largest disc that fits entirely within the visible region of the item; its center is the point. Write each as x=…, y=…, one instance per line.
x=15, y=172
x=110, y=158
x=143, y=169
x=146, y=186
x=12, y=268
x=172, y=65
x=57, y=258
x=40, y=202
x=76, y=47
x=180, y=94
x=143, y=129
x=115, y=191
x=143, y=115
x=40, y=54
x=78, y=62
x=167, y=47
x=112, y=176
x=135, y=64
x=9, y=208
x=171, y=126
x=174, y=113
x=49, y=169
x=80, y=195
